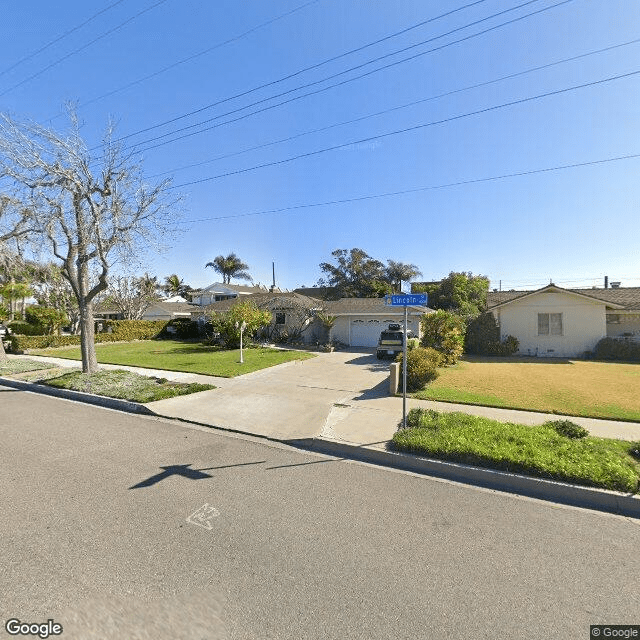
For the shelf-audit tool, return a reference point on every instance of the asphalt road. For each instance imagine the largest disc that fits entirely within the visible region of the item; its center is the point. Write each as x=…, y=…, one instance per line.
x=120, y=526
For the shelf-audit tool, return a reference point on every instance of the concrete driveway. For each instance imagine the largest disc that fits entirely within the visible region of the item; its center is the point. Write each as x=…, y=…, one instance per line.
x=288, y=402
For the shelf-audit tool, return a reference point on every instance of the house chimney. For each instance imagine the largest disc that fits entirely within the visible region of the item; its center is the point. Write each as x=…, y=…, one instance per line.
x=606, y=282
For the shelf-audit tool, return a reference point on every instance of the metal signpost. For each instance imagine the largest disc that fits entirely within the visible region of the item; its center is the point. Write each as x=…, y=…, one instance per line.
x=405, y=300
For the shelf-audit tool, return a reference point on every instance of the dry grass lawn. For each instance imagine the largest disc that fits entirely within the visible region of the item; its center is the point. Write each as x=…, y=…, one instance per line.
x=572, y=387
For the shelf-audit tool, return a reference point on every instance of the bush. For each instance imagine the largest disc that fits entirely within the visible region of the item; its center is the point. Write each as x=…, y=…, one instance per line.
x=49, y=319
x=422, y=367
x=181, y=328
x=127, y=330
x=634, y=450
x=444, y=332
x=612, y=349
x=248, y=312
x=483, y=337
x=568, y=429
x=22, y=342
x=412, y=343
x=26, y=329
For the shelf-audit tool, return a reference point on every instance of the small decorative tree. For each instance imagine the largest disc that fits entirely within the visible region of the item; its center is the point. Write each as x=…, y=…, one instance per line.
x=247, y=312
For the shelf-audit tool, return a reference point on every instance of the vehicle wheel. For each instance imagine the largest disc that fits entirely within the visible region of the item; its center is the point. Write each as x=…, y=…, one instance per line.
x=378, y=355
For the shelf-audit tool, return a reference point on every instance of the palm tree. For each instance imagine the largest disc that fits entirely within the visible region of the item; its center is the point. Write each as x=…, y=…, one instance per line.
x=230, y=267
x=175, y=286
x=399, y=272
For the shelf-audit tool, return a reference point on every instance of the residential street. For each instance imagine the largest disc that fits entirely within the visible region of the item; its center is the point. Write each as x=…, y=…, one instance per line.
x=189, y=533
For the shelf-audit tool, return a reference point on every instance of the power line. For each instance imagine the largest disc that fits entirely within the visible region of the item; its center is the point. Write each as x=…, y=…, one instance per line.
x=337, y=84
x=301, y=71
x=33, y=54
x=83, y=47
x=412, y=128
x=402, y=106
x=448, y=185
x=199, y=54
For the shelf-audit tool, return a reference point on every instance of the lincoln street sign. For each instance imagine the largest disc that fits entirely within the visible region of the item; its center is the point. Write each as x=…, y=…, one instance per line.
x=406, y=299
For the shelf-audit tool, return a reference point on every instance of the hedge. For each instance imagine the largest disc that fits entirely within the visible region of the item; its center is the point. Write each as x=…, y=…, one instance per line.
x=612, y=349
x=121, y=331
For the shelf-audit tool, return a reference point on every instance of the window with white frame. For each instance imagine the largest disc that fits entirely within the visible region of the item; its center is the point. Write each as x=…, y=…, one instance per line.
x=549, y=324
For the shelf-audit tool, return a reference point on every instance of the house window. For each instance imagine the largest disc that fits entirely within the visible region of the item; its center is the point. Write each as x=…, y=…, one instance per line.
x=280, y=318
x=549, y=324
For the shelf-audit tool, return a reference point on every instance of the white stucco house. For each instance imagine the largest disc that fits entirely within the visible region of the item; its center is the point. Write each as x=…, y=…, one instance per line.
x=557, y=322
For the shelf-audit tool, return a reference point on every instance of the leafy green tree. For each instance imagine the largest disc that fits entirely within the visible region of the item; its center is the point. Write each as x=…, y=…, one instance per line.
x=462, y=293
x=248, y=312
x=444, y=332
x=355, y=275
x=230, y=267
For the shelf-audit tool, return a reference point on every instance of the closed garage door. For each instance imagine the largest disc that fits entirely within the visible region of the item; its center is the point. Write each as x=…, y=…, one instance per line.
x=365, y=333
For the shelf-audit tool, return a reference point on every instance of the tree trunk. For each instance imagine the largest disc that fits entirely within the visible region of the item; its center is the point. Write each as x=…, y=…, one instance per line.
x=87, y=339
x=3, y=354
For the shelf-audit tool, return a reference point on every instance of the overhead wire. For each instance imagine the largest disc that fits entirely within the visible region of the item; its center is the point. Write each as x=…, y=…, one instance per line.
x=301, y=71
x=199, y=54
x=67, y=33
x=337, y=84
x=402, y=106
x=448, y=185
x=417, y=127
x=83, y=47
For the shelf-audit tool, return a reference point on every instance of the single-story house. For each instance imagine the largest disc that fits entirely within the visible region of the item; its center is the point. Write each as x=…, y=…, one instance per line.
x=218, y=291
x=557, y=322
x=359, y=321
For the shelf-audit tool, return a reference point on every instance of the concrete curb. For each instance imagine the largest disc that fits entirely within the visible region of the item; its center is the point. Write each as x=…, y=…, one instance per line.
x=575, y=495
x=78, y=396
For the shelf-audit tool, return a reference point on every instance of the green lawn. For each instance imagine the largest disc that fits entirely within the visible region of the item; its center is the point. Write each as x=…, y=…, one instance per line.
x=571, y=387
x=537, y=451
x=191, y=357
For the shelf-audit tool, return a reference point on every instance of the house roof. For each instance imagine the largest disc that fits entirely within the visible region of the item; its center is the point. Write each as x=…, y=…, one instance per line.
x=627, y=298
x=219, y=287
x=322, y=293
x=352, y=306
x=175, y=307
x=263, y=298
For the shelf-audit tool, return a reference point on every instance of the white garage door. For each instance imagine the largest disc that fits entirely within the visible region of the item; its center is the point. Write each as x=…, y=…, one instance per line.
x=365, y=333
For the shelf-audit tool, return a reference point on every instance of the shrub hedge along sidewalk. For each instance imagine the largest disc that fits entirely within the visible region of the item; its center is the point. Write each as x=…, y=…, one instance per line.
x=558, y=450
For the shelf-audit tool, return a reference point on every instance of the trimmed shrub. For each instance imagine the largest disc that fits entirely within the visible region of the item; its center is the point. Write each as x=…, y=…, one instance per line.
x=612, y=349
x=422, y=367
x=26, y=329
x=22, y=342
x=444, y=332
x=412, y=343
x=568, y=429
x=127, y=330
x=47, y=318
x=181, y=328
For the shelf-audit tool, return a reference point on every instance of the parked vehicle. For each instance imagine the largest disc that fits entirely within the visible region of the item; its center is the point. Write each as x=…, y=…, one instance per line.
x=4, y=331
x=391, y=341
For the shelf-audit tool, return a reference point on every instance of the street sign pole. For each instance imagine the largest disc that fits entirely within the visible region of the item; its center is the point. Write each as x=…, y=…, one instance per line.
x=404, y=300
x=404, y=371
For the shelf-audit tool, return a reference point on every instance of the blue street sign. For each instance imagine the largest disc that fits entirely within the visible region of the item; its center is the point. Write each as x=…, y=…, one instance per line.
x=406, y=299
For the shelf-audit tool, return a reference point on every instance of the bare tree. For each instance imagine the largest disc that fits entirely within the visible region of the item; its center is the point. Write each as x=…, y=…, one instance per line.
x=132, y=296
x=92, y=208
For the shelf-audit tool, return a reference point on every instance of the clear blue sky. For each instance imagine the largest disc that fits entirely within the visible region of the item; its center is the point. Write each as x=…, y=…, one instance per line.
x=573, y=226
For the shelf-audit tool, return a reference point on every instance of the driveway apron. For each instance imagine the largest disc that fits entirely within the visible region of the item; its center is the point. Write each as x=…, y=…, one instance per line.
x=291, y=401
